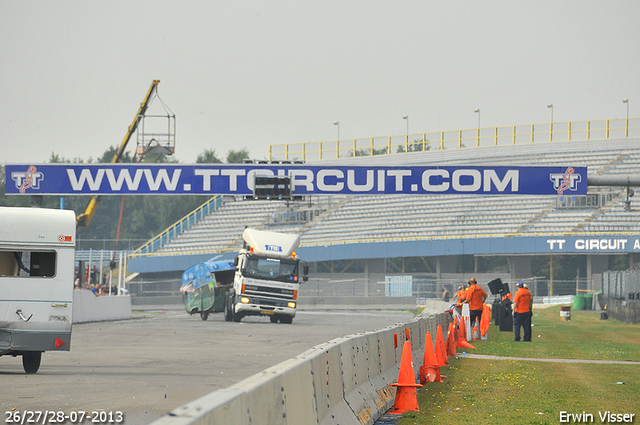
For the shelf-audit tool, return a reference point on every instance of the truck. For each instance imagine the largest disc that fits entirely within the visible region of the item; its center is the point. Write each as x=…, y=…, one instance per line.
x=37, y=267
x=267, y=277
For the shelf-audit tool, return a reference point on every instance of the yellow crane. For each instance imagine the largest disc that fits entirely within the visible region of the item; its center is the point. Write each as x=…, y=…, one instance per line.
x=83, y=219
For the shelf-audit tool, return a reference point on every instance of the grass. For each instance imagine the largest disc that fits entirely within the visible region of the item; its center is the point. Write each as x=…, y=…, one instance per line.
x=528, y=392
x=584, y=337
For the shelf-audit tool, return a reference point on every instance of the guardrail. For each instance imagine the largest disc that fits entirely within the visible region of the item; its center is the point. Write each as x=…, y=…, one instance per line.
x=346, y=380
x=179, y=226
x=458, y=139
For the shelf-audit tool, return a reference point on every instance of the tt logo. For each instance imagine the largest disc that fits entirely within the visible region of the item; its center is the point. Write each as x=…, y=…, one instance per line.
x=565, y=181
x=27, y=179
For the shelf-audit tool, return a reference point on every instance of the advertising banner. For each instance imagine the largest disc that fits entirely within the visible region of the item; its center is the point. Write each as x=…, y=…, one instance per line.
x=232, y=179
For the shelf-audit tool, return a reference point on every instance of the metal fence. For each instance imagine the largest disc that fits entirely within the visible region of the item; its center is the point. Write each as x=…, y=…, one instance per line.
x=421, y=287
x=580, y=202
x=623, y=285
x=426, y=287
x=108, y=245
x=459, y=139
x=165, y=288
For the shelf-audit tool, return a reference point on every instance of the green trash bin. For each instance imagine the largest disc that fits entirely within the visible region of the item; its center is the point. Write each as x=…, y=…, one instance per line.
x=588, y=301
x=578, y=302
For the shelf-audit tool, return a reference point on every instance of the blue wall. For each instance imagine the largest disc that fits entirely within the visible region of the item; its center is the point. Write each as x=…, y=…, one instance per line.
x=428, y=248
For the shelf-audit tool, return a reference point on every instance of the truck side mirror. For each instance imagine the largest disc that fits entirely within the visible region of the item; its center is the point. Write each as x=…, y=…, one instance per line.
x=235, y=262
x=305, y=273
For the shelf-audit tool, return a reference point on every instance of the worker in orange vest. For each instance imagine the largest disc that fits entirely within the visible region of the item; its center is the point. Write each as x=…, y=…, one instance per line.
x=475, y=298
x=460, y=296
x=522, y=313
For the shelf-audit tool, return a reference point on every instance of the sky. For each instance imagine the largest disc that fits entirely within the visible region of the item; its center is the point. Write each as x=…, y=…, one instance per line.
x=249, y=74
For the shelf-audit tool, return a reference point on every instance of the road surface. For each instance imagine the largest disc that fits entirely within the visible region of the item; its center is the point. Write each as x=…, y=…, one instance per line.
x=159, y=360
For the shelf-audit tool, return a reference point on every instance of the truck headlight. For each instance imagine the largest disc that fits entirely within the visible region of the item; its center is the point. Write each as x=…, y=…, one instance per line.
x=244, y=300
x=292, y=305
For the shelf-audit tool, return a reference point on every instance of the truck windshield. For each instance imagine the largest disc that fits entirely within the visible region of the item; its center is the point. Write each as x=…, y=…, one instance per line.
x=271, y=269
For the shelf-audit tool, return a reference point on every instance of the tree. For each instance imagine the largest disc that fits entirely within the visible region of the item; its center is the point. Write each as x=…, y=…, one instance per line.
x=108, y=155
x=367, y=152
x=57, y=159
x=208, y=156
x=236, y=157
x=418, y=145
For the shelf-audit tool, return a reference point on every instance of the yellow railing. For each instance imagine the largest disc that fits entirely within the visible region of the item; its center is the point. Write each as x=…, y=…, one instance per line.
x=178, y=227
x=458, y=139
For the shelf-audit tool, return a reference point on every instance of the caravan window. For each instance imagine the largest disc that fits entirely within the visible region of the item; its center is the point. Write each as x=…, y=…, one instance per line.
x=25, y=263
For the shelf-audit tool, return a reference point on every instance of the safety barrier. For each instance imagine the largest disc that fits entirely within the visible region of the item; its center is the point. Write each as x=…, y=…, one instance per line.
x=458, y=139
x=344, y=381
x=89, y=308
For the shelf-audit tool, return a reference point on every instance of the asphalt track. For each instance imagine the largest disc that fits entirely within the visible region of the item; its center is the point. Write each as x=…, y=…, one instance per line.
x=159, y=360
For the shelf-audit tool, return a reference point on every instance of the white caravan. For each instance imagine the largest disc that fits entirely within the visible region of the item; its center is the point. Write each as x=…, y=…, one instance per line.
x=37, y=253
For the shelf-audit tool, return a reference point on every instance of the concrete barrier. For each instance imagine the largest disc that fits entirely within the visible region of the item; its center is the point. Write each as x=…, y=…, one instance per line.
x=345, y=381
x=89, y=308
x=433, y=304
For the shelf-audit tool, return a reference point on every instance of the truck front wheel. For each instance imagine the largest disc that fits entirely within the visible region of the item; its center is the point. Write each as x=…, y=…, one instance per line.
x=236, y=316
x=31, y=361
x=286, y=319
x=228, y=314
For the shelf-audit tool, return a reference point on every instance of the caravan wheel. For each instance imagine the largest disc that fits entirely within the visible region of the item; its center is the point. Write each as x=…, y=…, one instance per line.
x=31, y=361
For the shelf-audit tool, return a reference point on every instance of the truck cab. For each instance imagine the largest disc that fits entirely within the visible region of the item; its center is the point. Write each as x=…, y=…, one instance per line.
x=267, y=277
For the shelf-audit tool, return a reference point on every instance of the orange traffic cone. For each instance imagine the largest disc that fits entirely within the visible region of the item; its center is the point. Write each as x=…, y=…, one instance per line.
x=475, y=332
x=462, y=329
x=451, y=344
x=455, y=328
x=443, y=347
x=448, y=341
x=485, y=322
x=462, y=338
x=406, y=392
x=429, y=371
x=441, y=361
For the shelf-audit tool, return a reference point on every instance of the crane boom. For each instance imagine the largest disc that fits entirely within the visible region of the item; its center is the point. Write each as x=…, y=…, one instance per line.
x=84, y=218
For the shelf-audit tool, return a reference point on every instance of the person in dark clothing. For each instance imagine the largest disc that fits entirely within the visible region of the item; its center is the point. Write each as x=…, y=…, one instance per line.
x=522, y=313
x=445, y=294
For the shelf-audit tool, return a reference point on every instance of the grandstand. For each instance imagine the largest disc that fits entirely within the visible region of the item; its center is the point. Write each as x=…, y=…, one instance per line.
x=370, y=228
